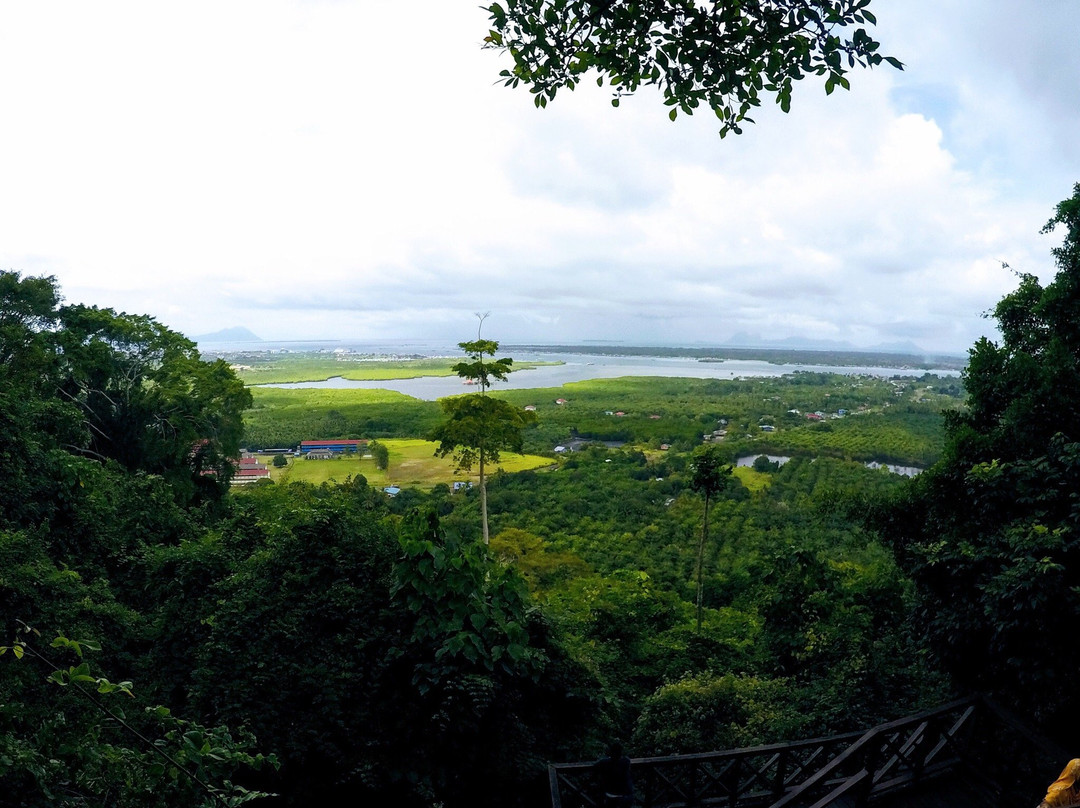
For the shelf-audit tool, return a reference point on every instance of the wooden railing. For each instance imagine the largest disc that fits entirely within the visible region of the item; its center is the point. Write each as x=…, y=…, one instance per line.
x=892, y=756
x=741, y=777
x=815, y=773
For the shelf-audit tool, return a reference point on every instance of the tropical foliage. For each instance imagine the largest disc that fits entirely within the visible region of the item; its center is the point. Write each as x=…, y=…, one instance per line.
x=330, y=645
x=990, y=536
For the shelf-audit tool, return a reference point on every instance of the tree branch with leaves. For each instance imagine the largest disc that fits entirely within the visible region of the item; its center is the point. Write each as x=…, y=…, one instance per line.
x=185, y=752
x=722, y=55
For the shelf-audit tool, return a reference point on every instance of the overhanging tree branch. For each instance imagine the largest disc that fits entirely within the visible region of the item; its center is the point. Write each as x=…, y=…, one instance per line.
x=723, y=55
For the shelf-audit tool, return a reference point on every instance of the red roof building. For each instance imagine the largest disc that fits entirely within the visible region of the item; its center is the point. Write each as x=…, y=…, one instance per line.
x=249, y=475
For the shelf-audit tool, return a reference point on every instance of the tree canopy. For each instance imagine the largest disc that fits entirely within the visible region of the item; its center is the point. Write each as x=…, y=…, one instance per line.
x=146, y=398
x=990, y=534
x=83, y=383
x=477, y=429
x=722, y=55
x=476, y=369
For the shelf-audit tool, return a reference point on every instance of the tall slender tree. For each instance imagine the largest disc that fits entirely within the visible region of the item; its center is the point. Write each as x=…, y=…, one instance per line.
x=478, y=427
x=710, y=476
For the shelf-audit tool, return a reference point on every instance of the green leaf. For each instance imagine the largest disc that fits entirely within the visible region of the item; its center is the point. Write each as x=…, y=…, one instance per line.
x=64, y=642
x=478, y=620
x=673, y=114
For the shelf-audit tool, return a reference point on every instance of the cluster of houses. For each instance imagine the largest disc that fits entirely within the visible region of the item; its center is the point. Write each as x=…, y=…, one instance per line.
x=717, y=435
x=250, y=470
x=818, y=415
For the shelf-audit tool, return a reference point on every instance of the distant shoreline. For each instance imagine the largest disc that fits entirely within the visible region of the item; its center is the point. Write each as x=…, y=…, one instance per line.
x=776, y=356
x=405, y=350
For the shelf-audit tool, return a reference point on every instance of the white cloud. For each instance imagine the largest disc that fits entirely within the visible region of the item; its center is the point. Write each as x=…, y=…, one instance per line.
x=347, y=169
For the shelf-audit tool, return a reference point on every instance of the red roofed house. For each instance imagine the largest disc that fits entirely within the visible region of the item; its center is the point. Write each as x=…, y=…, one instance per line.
x=250, y=472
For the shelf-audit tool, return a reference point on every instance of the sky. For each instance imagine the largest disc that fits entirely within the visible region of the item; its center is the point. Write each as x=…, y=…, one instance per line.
x=355, y=171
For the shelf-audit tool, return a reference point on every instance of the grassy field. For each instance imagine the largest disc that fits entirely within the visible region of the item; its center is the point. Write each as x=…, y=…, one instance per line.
x=412, y=464
x=286, y=401
x=282, y=369
x=753, y=480
x=282, y=417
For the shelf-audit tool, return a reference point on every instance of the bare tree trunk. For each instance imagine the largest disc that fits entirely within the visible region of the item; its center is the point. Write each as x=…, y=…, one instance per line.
x=483, y=498
x=701, y=559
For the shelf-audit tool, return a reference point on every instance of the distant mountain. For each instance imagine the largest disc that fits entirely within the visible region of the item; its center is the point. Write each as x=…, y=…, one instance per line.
x=803, y=344
x=235, y=334
x=909, y=348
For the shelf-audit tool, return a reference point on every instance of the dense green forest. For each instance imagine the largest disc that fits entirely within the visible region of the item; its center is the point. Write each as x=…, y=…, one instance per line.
x=169, y=641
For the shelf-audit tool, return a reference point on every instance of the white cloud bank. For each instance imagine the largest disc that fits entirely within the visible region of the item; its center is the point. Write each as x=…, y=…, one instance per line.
x=352, y=170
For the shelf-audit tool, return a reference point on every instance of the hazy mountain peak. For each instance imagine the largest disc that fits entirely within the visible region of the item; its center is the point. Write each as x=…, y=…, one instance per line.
x=235, y=334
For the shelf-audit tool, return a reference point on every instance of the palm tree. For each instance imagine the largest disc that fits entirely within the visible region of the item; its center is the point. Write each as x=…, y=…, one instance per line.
x=710, y=475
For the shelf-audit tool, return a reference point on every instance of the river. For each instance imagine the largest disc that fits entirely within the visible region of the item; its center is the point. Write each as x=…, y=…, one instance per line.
x=583, y=367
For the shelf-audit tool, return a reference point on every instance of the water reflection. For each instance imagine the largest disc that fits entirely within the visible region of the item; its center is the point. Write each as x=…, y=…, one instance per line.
x=584, y=367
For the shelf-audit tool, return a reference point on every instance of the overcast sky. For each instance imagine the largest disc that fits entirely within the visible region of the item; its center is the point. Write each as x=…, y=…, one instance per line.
x=353, y=170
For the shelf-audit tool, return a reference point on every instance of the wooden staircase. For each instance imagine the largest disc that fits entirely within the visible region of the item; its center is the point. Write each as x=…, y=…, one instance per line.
x=968, y=752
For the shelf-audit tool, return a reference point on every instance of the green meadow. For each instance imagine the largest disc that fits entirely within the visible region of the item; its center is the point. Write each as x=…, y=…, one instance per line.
x=412, y=463
x=751, y=479
x=287, y=368
x=284, y=417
